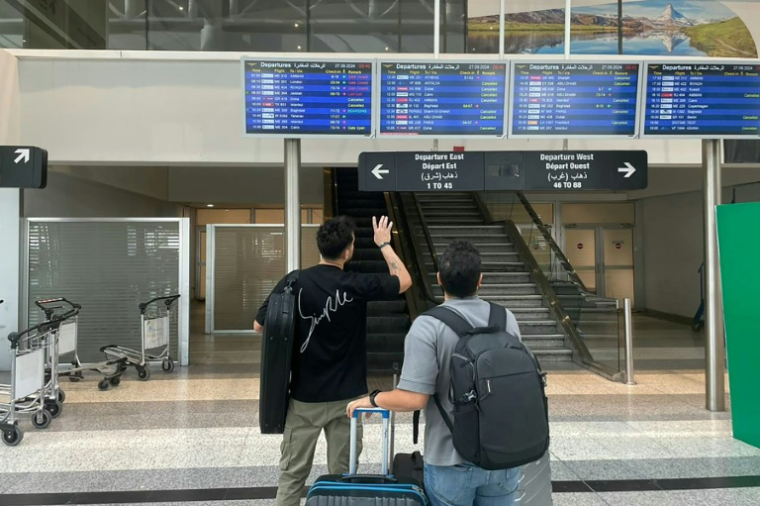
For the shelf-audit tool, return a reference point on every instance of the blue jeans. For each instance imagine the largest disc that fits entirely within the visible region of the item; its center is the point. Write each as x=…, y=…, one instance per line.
x=467, y=485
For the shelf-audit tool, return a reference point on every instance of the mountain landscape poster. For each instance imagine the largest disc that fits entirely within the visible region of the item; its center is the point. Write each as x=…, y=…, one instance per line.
x=648, y=27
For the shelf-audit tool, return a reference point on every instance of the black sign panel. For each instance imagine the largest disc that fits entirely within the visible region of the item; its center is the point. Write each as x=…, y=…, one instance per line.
x=437, y=171
x=23, y=167
x=503, y=170
x=585, y=170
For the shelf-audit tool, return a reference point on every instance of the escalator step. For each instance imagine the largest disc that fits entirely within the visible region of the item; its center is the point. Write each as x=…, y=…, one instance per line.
x=393, y=324
x=367, y=266
x=391, y=307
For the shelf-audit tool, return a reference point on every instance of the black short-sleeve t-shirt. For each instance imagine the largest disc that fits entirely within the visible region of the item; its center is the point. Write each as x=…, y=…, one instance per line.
x=330, y=352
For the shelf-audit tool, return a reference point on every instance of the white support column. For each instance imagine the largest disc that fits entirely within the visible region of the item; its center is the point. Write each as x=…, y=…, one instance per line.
x=437, y=28
x=568, y=19
x=502, y=13
x=10, y=265
x=292, y=204
x=715, y=352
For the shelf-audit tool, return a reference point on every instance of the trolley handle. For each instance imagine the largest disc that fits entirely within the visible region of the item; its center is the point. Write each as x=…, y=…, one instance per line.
x=168, y=301
x=15, y=337
x=44, y=302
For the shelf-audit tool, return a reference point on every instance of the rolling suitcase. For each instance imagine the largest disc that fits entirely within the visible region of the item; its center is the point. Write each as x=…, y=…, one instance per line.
x=276, y=358
x=535, y=487
x=367, y=490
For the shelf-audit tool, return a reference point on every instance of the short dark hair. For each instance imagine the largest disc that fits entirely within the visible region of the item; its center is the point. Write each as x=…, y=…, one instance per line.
x=460, y=267
x=334, y=236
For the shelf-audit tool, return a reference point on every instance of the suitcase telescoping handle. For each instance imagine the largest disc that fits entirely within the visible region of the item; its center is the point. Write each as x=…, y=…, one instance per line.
x=352, y=466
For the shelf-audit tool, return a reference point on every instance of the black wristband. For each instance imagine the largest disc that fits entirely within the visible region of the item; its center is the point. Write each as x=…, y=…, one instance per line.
x=383, y=245
x=372, y=398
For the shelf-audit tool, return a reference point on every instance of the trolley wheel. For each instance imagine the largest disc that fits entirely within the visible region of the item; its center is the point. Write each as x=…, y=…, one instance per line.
x=13, y=437
x=167, y=365
x=115, y=381
x=42, y=419
x=143, y=373
x=61, y=396
x=75, y=378
x=103, y=385
x=54, y=407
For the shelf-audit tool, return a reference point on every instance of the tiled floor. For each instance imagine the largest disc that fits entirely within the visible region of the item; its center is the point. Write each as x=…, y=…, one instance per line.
x=197, y=428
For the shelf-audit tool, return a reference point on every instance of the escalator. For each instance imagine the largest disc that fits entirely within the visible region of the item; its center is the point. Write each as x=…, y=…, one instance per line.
x=514, y=275
x=387, y=322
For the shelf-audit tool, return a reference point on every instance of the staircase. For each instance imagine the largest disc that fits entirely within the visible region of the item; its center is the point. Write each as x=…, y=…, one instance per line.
x=506, y=278
x=387, y=321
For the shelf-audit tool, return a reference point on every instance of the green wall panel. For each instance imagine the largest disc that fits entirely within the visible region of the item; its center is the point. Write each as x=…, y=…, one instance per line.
x=739, y=245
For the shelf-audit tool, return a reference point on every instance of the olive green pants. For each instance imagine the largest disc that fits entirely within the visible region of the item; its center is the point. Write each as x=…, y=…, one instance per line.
x=303, y=426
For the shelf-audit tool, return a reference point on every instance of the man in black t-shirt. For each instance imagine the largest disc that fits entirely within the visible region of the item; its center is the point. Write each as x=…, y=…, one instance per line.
x=329, y=364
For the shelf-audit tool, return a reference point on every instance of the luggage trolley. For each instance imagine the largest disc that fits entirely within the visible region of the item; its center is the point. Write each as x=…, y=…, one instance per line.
x=31, y=390
x=68, y=343
x=154, y=334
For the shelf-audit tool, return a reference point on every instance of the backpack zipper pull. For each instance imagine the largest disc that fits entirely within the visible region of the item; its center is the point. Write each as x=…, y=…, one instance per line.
x=488, y=384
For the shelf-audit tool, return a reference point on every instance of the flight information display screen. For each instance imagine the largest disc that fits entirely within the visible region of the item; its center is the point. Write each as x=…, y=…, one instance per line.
x=574, y=99
x=302, y=98
x=442, y=99
x=703, y=100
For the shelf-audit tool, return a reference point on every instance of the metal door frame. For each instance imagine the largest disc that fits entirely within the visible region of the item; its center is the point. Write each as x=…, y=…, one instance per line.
x=211, y=269
x=199, y=229
x=183, y=275
x=601, y=267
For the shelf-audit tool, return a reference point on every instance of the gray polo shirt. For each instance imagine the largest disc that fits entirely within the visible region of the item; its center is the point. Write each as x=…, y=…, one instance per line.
x=427, y=354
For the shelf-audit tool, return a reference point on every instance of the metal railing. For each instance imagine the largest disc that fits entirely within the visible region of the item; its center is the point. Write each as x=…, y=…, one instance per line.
x=420, y=245
x=592, y=324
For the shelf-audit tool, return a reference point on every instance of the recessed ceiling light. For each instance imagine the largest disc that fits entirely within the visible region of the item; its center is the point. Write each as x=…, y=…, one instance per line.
x=209, y=205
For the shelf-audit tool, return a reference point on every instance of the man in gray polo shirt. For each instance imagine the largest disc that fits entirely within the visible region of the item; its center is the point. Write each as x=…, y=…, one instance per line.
x=449, y=479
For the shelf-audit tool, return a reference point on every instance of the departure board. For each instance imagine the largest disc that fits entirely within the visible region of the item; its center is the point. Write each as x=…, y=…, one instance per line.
x=442, y=99
x=574, y=99
x=302, y=98
x=702, y=100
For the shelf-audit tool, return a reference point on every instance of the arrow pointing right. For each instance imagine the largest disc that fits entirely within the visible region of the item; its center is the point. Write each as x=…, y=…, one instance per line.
x=23, y=154
x=379, y=170
x=628, y=169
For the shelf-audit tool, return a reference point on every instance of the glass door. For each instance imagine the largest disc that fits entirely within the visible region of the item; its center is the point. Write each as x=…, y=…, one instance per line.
x=617, y=264
x=581, y=251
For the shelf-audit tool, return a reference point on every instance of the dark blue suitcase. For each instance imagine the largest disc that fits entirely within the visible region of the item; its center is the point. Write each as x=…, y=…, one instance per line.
x=368, y=490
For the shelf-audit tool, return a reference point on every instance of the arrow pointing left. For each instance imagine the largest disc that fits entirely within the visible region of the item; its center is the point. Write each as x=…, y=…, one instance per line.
x=379, y=170
x=23, y=154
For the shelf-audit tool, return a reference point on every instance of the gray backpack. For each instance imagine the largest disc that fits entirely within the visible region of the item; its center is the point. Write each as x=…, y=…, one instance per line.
x=501, y=417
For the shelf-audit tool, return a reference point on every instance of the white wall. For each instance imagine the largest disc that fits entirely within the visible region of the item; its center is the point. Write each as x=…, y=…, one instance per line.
x=67, y=196
x=150, y=181
x=241, y=185
x=9, y=208
x=174, y=108
x=673, y=240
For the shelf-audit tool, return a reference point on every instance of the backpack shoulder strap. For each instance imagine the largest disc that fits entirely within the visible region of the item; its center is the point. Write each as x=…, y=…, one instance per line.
x=291, y=280
x=450, y=318
x=498, y=316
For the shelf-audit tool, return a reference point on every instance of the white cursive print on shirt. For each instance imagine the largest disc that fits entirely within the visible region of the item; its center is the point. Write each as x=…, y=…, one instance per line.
x=330, y=307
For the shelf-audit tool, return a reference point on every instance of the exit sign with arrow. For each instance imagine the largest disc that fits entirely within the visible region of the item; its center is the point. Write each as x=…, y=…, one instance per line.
x=23, y=167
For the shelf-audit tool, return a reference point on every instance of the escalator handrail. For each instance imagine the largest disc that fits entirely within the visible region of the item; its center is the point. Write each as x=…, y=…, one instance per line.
x=543, y=284
x=426, y=293
x=558, y=253
x=399, y=240
x=424, y=225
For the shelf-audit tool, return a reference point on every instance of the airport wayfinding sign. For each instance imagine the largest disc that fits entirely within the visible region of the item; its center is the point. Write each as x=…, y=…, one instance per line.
x=23, y=167
x=503, y=170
